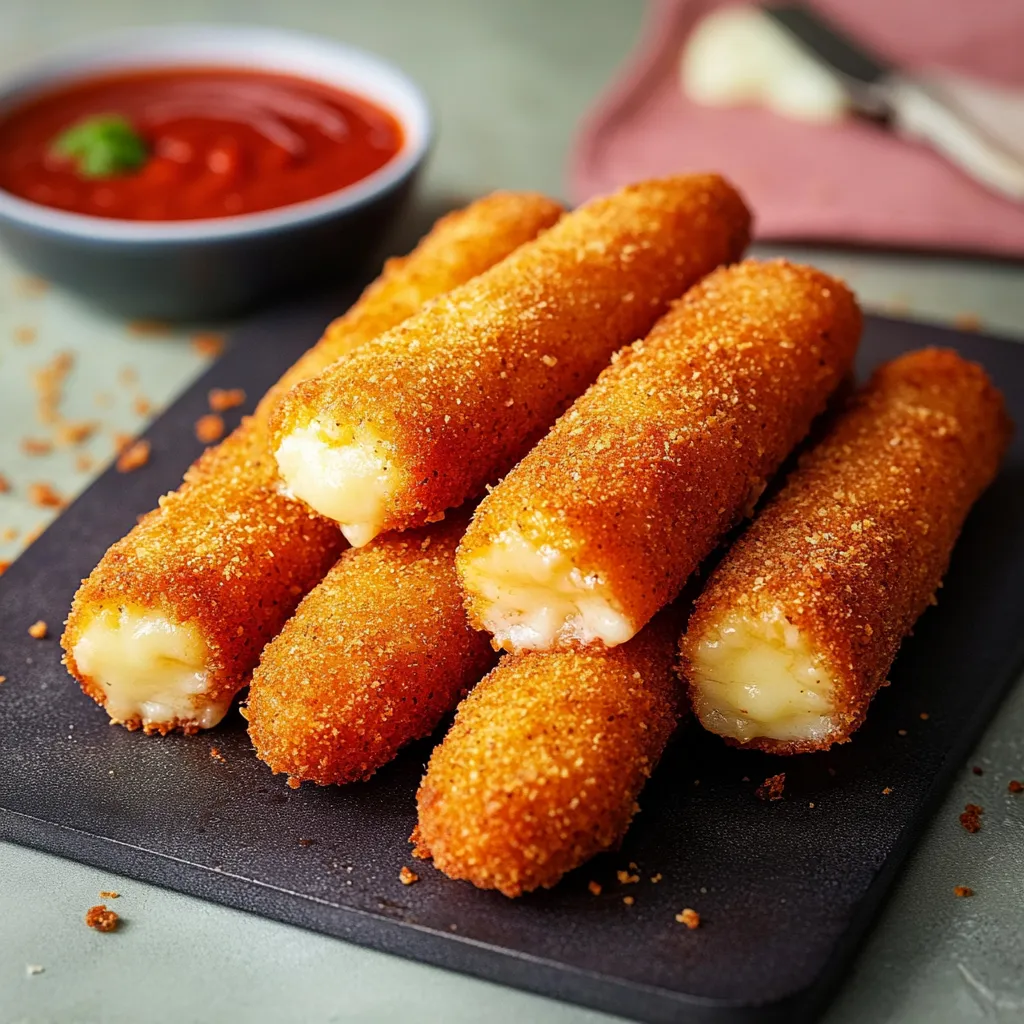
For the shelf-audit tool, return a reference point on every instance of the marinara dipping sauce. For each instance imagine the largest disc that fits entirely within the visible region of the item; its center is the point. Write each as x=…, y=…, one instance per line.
x=218, y=142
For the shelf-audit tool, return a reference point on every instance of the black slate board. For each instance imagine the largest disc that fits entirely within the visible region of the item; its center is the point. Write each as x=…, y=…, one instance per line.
x=786, y=892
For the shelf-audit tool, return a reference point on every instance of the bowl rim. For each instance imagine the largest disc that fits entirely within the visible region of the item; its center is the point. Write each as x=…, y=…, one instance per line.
x=84, y=59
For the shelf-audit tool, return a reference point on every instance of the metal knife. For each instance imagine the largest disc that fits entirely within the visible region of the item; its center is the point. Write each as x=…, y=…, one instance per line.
x=932, y=110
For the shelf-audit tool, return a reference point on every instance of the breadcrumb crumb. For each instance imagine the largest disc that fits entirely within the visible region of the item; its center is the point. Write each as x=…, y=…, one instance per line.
x=210, y=345
x=222, y=399
x=625, y=878
x=4, y=566
x=962, y=890
x=38, y=630
x=25, y=335
x=1016, y=786
x=149, y=328
x=84, y=462
x=655, y=879
x=887, y=791
x=772, y=787
x=75, y=432
x=102, y=919
x=48, y=382
x=689, y=917
x=209, y=428
x=924, y=716
x=142, y=406
x=108, y=894
x=43, y=495
x=294, y=783
x=978, y=770
x=133, y=457
x=217, y=755
x=967, y=321
x=971, y=817
x=595, y=888
x=5, y=484
x=33, y=286
x=36, y=446
x=407, y=876
x=3, y=679
x=628, y=900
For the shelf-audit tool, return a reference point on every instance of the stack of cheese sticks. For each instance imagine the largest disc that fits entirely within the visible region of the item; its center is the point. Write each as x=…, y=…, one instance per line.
x=531, y=432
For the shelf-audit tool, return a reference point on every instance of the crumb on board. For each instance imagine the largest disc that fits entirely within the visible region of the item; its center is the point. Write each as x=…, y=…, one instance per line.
x=122, y=441
x=3, y=679
x=5, y=484
x=75, y=432
x=962, y=890
x=811, y=805
x=33, y=535
x=44, y=496
x=305, y=842
x=209, y=428
x=628, y=900
x=923, y=716
x=31, y=969
x=1016, y=786
x=9, y=533
x=149, y=328
x=887, y=791
x=109, y=894
x=967, y=321
x=971, y=817
x=689, y=917
x=978, y=770
x=901, y=732
x=31, y=285
x=100, y=918
x=4, y=566
x=142, y=406
x=25, y=335
x=127, y=375
x=133, y=457
x=772, y=787
x=83, y=462
x=595, y=888
x=48, y=382
x=625, y=878
x=655, y=879
x=36, y=445
x=38, y=630
x=208, y=344
x=407, y=876
x=222, y=399
x=294, y=783
x=217, y=755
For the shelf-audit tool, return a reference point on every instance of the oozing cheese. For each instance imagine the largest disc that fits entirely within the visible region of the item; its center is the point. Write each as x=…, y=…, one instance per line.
x=535, y=598
x=759, y=678
x=347, y=476
x=149, y=667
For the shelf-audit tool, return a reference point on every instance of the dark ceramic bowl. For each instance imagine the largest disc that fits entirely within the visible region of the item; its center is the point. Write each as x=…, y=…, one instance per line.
x=189, y=270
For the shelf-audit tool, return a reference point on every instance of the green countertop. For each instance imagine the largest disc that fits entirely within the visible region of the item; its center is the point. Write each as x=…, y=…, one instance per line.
x=509, y=81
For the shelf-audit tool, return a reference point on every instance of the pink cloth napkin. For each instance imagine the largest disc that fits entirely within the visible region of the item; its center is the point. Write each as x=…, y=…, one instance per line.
x=849, y=182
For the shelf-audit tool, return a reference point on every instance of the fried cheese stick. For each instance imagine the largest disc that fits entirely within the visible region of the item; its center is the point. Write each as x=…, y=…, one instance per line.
x=800, y=623
x=544, y=763
x=168, y=626
x=602, y=523
x=431, y=412
x=373, y=657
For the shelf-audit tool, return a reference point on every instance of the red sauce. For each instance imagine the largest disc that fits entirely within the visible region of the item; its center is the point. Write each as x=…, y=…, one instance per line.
x=221, y=142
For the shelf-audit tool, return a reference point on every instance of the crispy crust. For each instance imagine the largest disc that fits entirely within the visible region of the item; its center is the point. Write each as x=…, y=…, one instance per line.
x=545, y=761
x=227, y=550
x=371, y=660
x=675, y=441
x=854, y=547
x=461, y=391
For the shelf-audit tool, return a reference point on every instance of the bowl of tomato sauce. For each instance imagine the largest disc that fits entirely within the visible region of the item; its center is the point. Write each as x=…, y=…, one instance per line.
x=196, y=171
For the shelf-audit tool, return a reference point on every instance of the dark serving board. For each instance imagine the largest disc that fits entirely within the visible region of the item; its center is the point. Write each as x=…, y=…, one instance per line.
x=786, y=892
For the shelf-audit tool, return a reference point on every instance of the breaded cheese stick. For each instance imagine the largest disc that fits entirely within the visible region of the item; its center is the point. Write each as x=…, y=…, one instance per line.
x=544, y=763
x=602, y=523
x=430, y=413
x=372, y=658
x=800, y=623
x=168, y=626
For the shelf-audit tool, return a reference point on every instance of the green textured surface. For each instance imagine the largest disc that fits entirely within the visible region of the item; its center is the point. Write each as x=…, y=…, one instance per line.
x=508, y=81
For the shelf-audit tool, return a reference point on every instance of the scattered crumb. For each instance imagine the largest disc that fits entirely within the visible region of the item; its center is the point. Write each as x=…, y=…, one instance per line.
x=38, y=630
x=101, y=919
x=83, y=462
x=5, y=484
x=142, y=406
x=294, y=783
x=633, y=866
x=811, y=805
x=43, y=495
x=655, y=879
x=122, y=441
x=962, y=890
x=978, y=770
x=31, y=285
x=967, y=321
x=625, y=878
x=210, y=345
x=217, y=755
x=901, y=732
x=923, y=716
x=128, y=375
x=24, y=335
x=595, y=888
x=628, y=900
x=36, y=446
x=31, y=969
x=971, y=817
x=3, y=679
x=48, y=382
x=33, y=535
x=148, y=328
x=1016, y=786
x=75, y=432
x=133, y=457
x=772, y=787
x=689, y=917
x=107, y=894
x=209, y=428
x=887, y=791
x=222, y=399
x=305, y=842
x=407, y=876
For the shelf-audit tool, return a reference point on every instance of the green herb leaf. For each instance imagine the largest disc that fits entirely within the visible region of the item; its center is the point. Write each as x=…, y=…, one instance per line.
x=102, y=146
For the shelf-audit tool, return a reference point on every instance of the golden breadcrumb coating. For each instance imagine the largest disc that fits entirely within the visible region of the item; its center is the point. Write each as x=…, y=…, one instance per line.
x=228, y=552
x=371, y=659
x=544, y=763
x=456, y=395
x=852, y=550
x=670, y=447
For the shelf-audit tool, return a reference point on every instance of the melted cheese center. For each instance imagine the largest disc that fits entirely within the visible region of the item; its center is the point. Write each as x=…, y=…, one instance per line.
x=149, y=668
x=347, y=476
x=535, y=598
x=758, y=678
